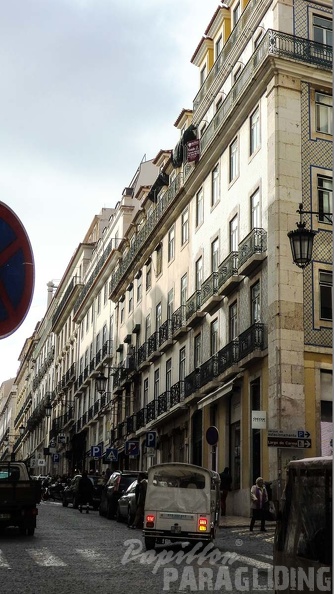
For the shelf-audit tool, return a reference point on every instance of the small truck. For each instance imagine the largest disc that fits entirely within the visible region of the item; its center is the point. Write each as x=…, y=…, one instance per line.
x=19, y=496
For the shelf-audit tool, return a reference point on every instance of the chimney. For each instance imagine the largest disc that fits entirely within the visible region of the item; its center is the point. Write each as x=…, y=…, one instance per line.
x=51, y=288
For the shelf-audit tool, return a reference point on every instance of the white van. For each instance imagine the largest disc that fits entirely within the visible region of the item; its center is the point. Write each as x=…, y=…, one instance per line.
x=182, y=504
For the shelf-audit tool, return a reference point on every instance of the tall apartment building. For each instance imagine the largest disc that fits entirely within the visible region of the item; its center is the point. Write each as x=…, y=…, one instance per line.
x=185, y=296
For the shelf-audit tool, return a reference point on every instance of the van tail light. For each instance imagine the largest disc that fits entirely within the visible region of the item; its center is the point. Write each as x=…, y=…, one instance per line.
x=117, y=483
x=150, y=520
x=31, y=511
x=202, y=524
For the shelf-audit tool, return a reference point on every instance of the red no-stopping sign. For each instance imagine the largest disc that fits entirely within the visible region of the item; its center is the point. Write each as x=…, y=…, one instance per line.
x=17, y=272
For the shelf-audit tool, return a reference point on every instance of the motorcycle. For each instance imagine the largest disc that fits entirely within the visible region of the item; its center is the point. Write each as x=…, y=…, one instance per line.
x=56, y=491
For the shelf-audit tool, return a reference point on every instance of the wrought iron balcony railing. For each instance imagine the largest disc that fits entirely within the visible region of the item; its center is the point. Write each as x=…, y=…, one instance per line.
x=251, y=339
x=151, y=411
x=163, y=403
x=177, y=393
x=228, y=356
x=165, y=331
x=193, y=304
x=145, y=233
x=209, y=287
x=228, y=268
x=254, y=243
x=179, y=319
x=274, y=43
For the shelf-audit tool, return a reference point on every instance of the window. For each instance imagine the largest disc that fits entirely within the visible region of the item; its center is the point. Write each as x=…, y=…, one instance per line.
x=203, y=75
x=168, y=375
x=215, y=185
x=99, y=303
x=254, y=131
x=121, y=306
x=257, y=40
x=182, y=364
x=326, y=285
x=171, y=244
x=199, y=208
x=219, y=45
x=214, y=255
x=105, y=293
x=98, y=342
x=184, y=226
x=159, y=260
x=255, y=303
x=322, y=30
x=87, y=321
x=197, y=350
x=156, y=383
x=214, y=337
x=219, y=103
x=325, y=201
x=158, y=317
x=139, y=288
x=234, y=160
x=184, y=289
x=147, y=327
x=324, y=113
x=170, y=304
x=234, y=234
x=148, y=275
x=145, y=401
x=255, y=210
x=233, y=321
x=236, y=74
x=130, y=302
x=199, y=273
x=236, y=14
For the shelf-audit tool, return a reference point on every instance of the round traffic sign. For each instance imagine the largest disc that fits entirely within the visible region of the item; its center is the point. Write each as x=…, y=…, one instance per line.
x=17, y=272
x=212, y=435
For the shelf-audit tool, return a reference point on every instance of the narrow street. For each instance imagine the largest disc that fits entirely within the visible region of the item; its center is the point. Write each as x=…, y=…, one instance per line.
x=73, y=553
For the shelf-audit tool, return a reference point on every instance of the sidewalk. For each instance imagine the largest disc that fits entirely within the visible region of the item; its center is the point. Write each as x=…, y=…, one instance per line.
x=239, y=521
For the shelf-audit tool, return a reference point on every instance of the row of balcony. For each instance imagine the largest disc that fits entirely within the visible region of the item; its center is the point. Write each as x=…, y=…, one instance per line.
x=43, y=369
x=66, y=380
x=103, y=356
x=200, y=381
x=92, y=414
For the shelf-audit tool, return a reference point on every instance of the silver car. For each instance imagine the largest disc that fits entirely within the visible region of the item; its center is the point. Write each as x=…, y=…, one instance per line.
x=126, y=505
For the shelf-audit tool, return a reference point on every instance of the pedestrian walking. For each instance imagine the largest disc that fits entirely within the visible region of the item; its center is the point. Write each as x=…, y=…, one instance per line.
x=85, y=492
x=140, y=492
x=225, y=487
x=259, y=499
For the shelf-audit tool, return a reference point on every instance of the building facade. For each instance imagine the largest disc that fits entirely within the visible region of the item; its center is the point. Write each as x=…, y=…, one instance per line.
x=185, y=296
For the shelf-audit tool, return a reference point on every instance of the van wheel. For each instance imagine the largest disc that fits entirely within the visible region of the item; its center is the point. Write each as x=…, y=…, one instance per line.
x=149, y=543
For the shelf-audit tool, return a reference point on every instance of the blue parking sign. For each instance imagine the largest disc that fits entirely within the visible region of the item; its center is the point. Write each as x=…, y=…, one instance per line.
x=132, y=448
x=55, y=458
x=151, y=439
x=96, y=451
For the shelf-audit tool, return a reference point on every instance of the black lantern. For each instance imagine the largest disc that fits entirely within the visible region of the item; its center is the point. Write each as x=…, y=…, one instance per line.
x=101, y=383
x=22, y=429
x=48, y=408
x=301, y=243
x=301, y=240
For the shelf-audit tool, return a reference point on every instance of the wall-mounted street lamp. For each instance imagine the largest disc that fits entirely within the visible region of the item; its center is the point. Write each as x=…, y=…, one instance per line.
x=6, y=440
x=301, y=239
x=101, y=383
x=48, y=408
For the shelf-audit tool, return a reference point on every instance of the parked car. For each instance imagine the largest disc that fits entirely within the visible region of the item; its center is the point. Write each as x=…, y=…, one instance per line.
x=71, y=494
x=115, y=487
x=126, y=505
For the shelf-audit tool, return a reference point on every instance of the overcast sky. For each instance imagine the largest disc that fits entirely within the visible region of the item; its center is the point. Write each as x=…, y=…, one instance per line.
x=88, y=87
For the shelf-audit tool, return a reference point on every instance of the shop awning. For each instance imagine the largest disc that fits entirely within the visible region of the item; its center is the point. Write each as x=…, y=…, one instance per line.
x=221, y=392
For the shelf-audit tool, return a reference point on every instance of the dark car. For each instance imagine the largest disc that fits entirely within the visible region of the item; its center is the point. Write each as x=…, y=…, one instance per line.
x=71, y=494
x=127, y=505
x=116, y=486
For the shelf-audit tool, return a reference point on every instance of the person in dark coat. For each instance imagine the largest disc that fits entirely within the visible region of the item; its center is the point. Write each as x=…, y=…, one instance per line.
x=85, y=492
x=225, y=487
x=140, y=493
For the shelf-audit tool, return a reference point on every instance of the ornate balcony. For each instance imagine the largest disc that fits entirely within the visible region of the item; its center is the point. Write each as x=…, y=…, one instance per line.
x=140, y=418
x=210, y=299
x=163, y=403
x=130, y=424
x=228, y=277
x=228, y=358
x=252, y=251
x=194, y=313
x=153, y=351
x=143, y=356
x=166, y=335
x=252, y=344
x=179, y=322
x=151, y=411
x=177, y=393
